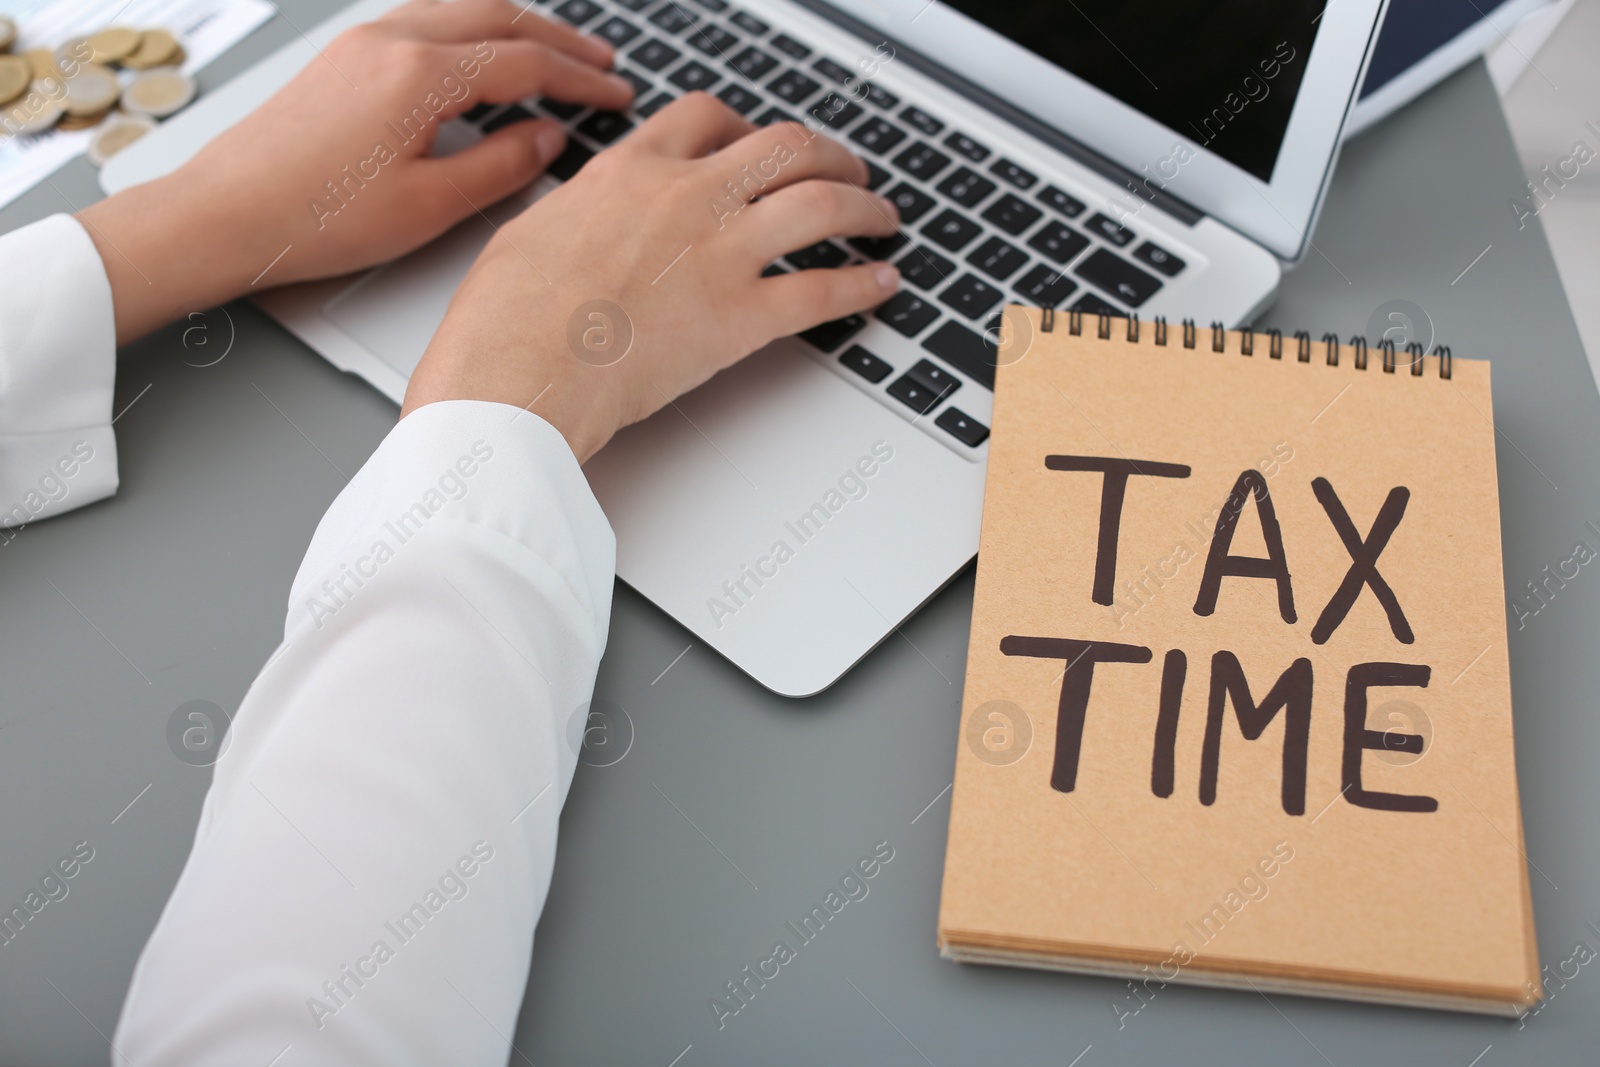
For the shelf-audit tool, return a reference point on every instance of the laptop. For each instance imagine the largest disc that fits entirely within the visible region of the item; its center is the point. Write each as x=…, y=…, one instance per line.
x=1152, y=159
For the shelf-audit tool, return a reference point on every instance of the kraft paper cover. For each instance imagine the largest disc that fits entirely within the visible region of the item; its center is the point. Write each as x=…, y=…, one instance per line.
x=1434, y=901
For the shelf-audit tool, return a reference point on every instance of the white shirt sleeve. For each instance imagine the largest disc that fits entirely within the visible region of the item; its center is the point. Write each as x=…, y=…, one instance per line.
x=58, y=357
x=378, y=840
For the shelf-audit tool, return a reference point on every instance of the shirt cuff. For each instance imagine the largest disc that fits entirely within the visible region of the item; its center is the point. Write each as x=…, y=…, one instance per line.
x=57, y=369
x=487, y=465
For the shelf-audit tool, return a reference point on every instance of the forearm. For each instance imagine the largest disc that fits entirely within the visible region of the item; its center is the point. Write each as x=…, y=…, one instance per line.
x=407, y=747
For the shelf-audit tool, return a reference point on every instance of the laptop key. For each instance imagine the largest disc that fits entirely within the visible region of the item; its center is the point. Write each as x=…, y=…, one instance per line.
x=967, y=147
x=561, y=109
x=635, y=5
x=1061, y=201
x=577, y=12
x=478, y=112
x=922, y=161
x=866, y=364
x=693, y=76
x=570, y=161
x=967, y=187
x=713, y=5
x=617, y=31
x=914, y=395
x=653, y=55
x=774, y=115
x=934, y=378
x=635, y=79
x=922, y=121
x=1119, y=277
x=823, y=254
x=790, y=47
x=876, y=175
x=739, y=98
x=513, y=114
x=966, y=350
x=1159, y=258
x=1044, y=286
x=880, y=97
x=952, y=231
x=879, y=247
x=970, y=295
x=830, y=335
x=877, y=136
x=712, y=40
x=835, y=112
x=1058, y=241
x=1110, y=230
x=925, y=268
x=836, y=71
x=674, y=19
x=1013, y=215
x=908, y=313
x=753, y=63
x=603, y=127
x=1090, y=304
x=793, y=86
x=963, y=427
x=749, y=23
x=912, y=202
x=773, y=270
x=654, y=104
x=997, y=259
x=1016, y=175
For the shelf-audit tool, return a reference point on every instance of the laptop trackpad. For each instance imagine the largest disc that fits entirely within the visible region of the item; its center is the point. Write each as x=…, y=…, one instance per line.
x=392, y=311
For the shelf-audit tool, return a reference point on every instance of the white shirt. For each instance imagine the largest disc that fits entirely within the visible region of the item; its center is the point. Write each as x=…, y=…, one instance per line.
x=377, y=842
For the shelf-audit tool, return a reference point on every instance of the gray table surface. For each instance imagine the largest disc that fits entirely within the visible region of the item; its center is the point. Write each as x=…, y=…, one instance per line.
x=734, y=810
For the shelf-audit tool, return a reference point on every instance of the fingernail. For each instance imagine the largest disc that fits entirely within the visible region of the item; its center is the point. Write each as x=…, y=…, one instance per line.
x=621, y=83
x=888, y=278
x=551, y=140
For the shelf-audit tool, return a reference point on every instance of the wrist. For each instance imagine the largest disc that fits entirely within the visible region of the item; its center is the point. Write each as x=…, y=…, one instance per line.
x=167, y=250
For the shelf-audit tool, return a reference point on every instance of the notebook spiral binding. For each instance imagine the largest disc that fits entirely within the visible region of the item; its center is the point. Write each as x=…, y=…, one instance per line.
x=1247, y=342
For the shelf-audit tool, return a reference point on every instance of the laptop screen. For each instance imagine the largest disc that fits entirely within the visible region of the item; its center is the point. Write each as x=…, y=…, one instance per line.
x=1224, y=75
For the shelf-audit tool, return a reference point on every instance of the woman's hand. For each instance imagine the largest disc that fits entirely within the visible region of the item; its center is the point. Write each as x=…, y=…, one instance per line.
x=641, y=277
x=335, y=172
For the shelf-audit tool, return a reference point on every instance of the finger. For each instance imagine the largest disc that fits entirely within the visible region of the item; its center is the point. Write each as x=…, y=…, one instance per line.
x=799, y=301
x=787, y=152
x=488, y=20
x=499, y=72
x=801, y=215
x=490, y=170
x=691, y=127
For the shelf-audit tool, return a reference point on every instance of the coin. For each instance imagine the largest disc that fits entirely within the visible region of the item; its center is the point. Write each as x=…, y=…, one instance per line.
x=156, y=48
x=8, y=33
x=116, y=135
x=69, y=121
x=34, y=113
x=43, y=63
x=91, y=90
x=15, y=74
x=158, y=93
x=73, y=53
x=113, y=43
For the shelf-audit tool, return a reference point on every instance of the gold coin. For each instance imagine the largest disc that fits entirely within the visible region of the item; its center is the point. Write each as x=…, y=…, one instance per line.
x=73, y=53
x=158, y=93
x=34, y=113
x=116, y=135
x=43, y=62
x=15, y=74
x=157, y=48
x=8, y=33
x=91, y=90
x=69, y=121
x=113, y=43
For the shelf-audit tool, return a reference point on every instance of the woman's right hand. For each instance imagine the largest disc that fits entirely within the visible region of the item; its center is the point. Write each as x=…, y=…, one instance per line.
x=641, y=277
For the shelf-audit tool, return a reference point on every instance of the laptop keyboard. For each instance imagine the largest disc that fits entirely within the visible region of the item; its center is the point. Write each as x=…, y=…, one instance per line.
x=978, y=230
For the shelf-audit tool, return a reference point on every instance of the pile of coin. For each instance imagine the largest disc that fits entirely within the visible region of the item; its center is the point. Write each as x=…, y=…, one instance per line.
x=119, y=79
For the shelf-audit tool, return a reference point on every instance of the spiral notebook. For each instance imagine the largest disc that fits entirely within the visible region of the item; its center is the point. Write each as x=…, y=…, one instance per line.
x=1238, y=702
